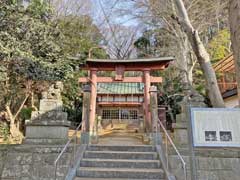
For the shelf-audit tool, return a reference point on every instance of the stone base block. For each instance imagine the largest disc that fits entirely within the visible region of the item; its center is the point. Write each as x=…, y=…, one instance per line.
x=48, y=118
x=46, y=134
x=181, y=125
x=41, y=141
x=180, y=136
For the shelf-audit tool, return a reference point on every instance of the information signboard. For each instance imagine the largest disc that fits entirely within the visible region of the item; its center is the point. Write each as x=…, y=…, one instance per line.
x=215, y=127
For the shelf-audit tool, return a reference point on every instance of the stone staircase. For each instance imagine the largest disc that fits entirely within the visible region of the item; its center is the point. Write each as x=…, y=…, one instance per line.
x=120, y=163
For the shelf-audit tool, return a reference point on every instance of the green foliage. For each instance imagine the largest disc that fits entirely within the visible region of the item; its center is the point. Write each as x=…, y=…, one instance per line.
x=198, y=81
x=171, y=93
x=80, y=36
x=4, y=130
x=3, y=73
x=142, y=44
x=71, y=98
x=28, y=41
x=30, y=50
x=35, y=48
x=26, y=113
x=219, y=46
x=156, y=43
x=40, y=8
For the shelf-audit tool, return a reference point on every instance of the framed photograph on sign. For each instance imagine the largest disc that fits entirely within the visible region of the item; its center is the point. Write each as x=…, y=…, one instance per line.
x=210, y=136
x=225, y=136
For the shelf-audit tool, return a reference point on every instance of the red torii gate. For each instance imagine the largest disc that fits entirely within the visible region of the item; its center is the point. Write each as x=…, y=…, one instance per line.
x=120, y=66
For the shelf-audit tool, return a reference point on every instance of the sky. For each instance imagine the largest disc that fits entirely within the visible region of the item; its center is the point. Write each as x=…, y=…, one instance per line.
x=112, y=9
x=127, y=26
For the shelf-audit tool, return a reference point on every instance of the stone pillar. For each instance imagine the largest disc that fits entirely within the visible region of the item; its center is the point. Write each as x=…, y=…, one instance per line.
x=181, y=136
x=147, y=83
x=181, y=126
x=85, y=115
x=156, y=136
x=154, y=107
x=93, y=98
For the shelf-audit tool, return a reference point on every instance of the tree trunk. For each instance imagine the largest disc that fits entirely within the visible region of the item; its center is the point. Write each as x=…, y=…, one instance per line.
x=187, y=66
x=183, y=58
x=234, y=20
x=202, y=56
x=17, y=136
x=32, y=102
x=14, y=127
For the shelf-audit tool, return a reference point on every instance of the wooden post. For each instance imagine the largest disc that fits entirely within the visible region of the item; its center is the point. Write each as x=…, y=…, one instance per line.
x=224, y=85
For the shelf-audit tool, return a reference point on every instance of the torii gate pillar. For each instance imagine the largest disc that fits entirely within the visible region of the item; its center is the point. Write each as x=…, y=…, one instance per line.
x=92, y=117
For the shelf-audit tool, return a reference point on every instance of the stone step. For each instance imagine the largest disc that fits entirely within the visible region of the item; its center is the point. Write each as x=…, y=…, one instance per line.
x=119, y=155
x=85, y=178
x=120, y=163
x=92, y=172
x=136, y=148
x=120, y=140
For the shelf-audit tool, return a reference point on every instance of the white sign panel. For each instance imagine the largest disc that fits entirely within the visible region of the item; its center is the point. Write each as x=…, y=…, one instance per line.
x=215, y=127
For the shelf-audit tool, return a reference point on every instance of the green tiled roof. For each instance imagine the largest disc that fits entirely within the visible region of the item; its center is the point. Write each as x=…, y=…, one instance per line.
x=120, y=88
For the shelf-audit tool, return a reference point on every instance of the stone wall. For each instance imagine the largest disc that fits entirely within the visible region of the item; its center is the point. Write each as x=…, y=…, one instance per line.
x=211, y=164
x=32, y=162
